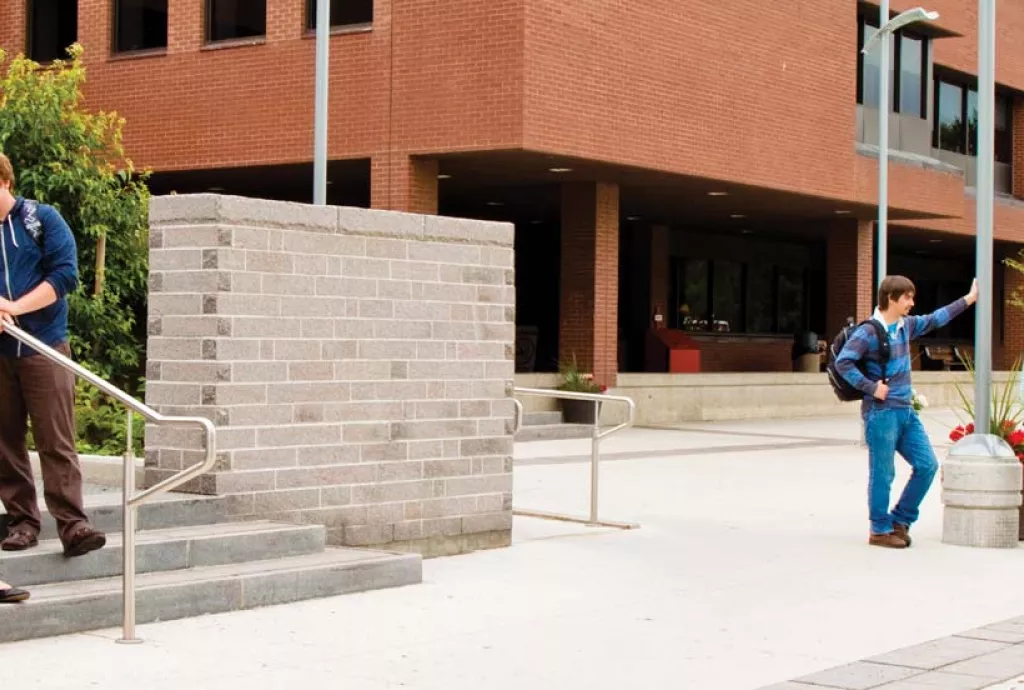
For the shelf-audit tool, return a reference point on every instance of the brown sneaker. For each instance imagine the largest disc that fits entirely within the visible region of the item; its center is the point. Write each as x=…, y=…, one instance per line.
x=19, y=540
x=903, y=532
x=83, y=541
x=890, y=541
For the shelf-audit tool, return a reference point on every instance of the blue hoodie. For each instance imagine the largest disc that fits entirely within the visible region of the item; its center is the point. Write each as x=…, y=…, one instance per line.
x=24, y=265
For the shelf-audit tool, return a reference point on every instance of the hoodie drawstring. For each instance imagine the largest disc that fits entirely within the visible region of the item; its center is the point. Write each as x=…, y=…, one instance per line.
x=10, y=225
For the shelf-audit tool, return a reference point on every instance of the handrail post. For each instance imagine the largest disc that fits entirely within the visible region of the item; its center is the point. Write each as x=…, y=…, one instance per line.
x=595, y=459
x=128, y=541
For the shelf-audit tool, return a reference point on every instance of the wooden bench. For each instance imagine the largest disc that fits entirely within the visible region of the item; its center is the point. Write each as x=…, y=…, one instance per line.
x=945, y=357
x=938, y=358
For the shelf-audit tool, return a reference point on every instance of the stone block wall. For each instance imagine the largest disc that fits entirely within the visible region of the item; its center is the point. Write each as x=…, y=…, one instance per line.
x=358, y=365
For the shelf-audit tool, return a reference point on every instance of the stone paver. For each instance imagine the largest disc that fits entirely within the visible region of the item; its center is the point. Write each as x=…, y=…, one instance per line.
x=860, y=675
x=750, y=569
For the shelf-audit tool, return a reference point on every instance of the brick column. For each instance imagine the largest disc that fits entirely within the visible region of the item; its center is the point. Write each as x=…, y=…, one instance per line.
x=358, y=365
x=402, y=183
x=1017, y=172
x=588, y=321
x=1012, y=345
x=95, y=29
x=13, y=28
x=849, y=273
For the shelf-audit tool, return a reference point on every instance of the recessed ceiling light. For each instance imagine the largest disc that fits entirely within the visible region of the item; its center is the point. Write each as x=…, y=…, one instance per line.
x=495, y=203
x=632, y=217
x=746, y=232
x=215, y=189
x=536, y=222
x=738, y=215
x=559, y=170
x=841, y=212
x=718, y=193
x=935, y=241
x=444, y=177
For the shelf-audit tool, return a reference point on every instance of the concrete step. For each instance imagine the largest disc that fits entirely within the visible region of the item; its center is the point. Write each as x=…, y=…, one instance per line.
x=165, y=549
x=542, y=418
x=553, y=432
x=63, y=608
x=167, y=510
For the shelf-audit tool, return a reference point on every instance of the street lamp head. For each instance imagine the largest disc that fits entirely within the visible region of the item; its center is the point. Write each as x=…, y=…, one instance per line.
x=918, y=14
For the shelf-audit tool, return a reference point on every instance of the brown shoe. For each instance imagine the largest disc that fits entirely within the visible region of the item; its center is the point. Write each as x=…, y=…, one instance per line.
x=13, y=595
x=903, y=532
x=19, y=540
x=83, y=541
x=890, y=541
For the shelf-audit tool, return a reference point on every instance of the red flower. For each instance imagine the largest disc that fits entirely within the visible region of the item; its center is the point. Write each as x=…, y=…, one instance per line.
x=1016, y=438
x=957, y=434
x=970, y=428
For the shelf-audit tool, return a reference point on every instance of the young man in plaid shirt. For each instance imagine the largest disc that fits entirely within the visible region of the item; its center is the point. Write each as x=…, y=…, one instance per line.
x=890, y=423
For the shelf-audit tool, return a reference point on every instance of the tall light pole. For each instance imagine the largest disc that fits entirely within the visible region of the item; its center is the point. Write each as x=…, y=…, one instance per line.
x=323, y=46
x=985, y=199
x=881, y=37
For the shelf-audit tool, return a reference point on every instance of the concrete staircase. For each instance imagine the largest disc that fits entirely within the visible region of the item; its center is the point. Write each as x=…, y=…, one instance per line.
x=190, y=561
x=548, y=426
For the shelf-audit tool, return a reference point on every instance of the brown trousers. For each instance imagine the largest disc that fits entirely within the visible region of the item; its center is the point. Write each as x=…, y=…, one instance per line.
x=35, y=388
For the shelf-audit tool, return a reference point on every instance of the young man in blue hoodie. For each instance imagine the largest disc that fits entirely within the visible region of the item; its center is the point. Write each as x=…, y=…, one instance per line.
x=38, y=268
x=890, y=423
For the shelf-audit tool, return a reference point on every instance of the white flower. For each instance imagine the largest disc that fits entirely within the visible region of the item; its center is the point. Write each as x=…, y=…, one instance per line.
x=923, y=400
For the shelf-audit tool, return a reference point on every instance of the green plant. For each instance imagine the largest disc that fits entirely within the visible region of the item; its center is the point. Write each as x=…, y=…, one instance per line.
x=73, y=159
x=576, y=381
x=1006, y=413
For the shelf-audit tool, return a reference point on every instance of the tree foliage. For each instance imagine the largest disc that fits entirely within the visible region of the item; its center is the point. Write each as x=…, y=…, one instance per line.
x=74, y=159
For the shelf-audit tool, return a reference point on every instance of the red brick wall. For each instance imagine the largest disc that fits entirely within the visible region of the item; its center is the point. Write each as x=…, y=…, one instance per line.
x=1018, y=148
x=588, y=317
x=401, y=183
x=430, y=76
x=715, y=89
x=850, y=274
x=719, y=354
x=1013, y=326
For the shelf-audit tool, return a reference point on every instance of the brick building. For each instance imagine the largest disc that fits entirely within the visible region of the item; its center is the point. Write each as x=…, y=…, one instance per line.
x=712, y=162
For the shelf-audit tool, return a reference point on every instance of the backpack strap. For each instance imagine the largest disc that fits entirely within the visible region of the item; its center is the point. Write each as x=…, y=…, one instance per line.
x=883, y=344
x=30, y=219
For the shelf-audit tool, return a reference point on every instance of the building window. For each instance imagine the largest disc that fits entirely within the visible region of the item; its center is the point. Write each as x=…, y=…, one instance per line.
x=232, y=19
x=140, y=25
x=735, y=297
x=343, y=12
x=908, y=63
x=949, y=117
x=52, y=28
x=956, y=120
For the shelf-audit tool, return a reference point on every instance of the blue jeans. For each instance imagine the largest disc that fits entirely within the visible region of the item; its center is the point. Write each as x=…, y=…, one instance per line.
x=887, y=432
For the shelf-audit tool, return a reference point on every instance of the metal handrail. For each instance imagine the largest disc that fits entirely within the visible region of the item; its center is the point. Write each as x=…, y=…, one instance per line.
x=595, y=444
x=131, y=501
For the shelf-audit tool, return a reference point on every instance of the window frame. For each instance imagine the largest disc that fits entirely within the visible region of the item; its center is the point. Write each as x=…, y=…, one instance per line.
x=208, y=38
x=896, y=63
x=310, y=23
x=29, y=31
x=115, y=35
x=967, y=86
x=679, y=279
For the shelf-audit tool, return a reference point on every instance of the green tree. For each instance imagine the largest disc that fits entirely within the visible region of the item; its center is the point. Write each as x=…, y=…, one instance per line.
x=74, y=159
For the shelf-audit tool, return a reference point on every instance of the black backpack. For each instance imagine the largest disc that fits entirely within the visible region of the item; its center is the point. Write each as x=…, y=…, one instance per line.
x=843, y=390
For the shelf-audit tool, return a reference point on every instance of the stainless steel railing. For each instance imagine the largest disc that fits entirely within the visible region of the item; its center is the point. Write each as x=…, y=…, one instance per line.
x=131, y=500
x=595, y=445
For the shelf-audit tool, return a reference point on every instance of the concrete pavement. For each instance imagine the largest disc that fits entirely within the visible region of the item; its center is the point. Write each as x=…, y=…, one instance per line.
x=750, y=569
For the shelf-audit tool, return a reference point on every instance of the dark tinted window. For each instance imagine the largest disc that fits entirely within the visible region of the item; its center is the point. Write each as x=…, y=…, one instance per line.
x=52, y=28
x=230, y=19
x=343, y=12
x=140, y=25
